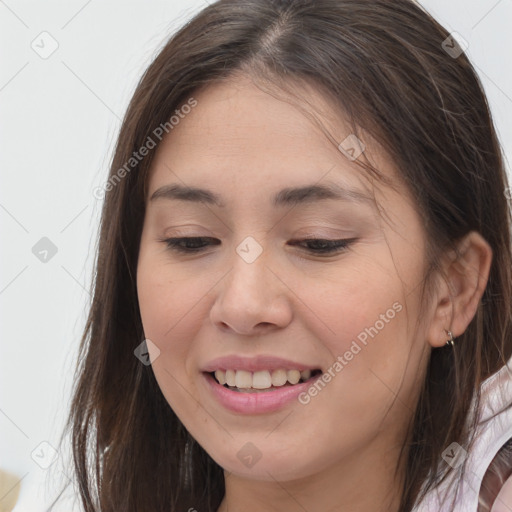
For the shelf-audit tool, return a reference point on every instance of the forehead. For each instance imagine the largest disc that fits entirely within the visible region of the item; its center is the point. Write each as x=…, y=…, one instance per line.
x=240, y=137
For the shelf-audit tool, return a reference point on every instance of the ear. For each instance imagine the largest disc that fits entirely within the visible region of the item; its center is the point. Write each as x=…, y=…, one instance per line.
x=459, y=288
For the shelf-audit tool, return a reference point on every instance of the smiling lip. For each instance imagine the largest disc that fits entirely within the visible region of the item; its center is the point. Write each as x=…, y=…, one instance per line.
x=255, y=364
x=255, y=403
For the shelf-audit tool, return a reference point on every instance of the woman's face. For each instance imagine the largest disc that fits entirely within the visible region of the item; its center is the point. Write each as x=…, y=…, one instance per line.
x=256, y=301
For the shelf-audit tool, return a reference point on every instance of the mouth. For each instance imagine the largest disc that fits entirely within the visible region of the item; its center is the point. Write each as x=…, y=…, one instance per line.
x=262, y=381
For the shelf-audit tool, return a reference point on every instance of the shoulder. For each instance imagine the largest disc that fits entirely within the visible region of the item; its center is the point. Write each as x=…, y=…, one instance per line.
x=495, y=442
x=487, y=474
x=496, y=488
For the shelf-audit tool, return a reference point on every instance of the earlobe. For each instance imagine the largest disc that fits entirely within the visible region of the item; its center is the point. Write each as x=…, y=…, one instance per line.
x=458, y=293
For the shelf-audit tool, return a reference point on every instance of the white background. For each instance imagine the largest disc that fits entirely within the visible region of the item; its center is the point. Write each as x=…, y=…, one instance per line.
x=59, y=118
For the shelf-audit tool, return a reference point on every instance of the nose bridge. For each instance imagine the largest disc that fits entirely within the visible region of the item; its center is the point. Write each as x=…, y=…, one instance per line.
x=249, y=274
x=249, y=268
x=251, y=296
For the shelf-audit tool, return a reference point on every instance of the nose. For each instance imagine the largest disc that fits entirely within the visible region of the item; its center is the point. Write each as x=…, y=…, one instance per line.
x=252, y=299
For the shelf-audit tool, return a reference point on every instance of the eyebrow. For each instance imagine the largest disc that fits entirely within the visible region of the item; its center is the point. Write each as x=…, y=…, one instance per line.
x=285, y=197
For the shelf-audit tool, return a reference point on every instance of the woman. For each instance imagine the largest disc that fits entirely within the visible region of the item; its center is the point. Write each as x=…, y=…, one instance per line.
x=304, y=270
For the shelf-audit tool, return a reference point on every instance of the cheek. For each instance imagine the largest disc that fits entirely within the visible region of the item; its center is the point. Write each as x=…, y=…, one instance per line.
x=172, y=311
x=370, y=342
x=172, y=308
x=362, y=305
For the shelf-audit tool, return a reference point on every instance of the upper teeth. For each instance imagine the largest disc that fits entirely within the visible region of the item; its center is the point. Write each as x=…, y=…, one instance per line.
x=262, y=379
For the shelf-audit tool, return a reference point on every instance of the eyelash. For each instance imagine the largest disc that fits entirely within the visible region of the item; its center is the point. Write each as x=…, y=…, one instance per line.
x=329, y=246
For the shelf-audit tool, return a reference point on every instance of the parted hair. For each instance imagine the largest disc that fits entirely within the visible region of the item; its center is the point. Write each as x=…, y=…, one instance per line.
x=385, y=67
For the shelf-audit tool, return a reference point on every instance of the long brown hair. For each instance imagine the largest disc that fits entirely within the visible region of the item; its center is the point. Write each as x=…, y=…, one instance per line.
x=386, y=66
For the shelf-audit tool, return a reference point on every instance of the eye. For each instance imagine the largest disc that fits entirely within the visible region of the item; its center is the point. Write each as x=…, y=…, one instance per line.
x=189, y=244
x=321, y=246
x=313, y=245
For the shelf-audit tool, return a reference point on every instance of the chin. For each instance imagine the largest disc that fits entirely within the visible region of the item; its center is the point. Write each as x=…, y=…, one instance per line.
x=269, y=468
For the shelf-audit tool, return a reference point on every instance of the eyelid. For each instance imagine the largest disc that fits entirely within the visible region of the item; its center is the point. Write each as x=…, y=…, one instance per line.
x=186, y=230
x=340, y=229
x=325, y=236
